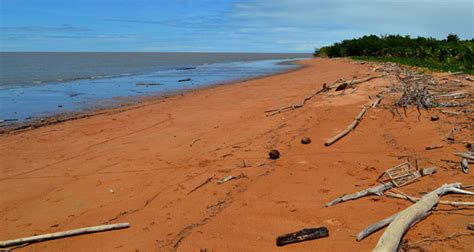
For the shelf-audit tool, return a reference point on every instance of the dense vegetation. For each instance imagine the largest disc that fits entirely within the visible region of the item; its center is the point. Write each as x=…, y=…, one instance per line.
x=450, y=54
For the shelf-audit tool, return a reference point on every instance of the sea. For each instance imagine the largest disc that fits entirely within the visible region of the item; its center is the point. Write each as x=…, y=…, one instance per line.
x=35, y=85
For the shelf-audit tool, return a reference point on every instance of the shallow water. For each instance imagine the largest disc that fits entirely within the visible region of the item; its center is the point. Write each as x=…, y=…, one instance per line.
x=28, y=101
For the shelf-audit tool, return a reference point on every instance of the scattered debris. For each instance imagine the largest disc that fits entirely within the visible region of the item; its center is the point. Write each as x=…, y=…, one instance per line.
x=348, y=129
x=274, y=154
x=450, y=136
x=378, y=190
x=434, y=118
x=228, y=178
x=325, y=88
x=450, y=112
x=433, y=147
x=464, y=165
x=44, y=237
x=401, y=223
x=414, y=245
x=202, y=184
x=194, y=141
x=306, y=140
x=183, y=80
x=470, y=226
x=302, y=235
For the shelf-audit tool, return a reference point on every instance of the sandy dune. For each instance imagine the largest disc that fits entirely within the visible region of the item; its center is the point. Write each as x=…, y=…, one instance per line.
x=139, y=165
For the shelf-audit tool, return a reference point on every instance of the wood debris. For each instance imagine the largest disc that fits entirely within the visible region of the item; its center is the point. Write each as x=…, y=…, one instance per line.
x=202, y=184
x=380, y=189
x=45, y=237
x=390, y=239
x=348, y=129
x=302, y=235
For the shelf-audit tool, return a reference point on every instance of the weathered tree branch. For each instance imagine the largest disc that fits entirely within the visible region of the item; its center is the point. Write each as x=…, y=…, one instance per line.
x=390, y=239
x=348, y=129
x=44, y=237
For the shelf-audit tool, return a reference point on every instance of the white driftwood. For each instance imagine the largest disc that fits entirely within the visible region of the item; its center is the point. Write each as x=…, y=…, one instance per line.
x=390, y=239
x=465, y=155
x=415, y=199
x=377, y=190
x=377, y=101
x=381, y=224
x=450, y=112
x=348, y=129
x=44, y=237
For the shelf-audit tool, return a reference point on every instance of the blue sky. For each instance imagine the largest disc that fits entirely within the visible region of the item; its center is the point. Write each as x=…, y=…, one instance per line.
x=220, y=25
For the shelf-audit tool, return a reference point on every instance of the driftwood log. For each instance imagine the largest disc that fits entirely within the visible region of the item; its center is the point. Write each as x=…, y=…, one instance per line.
x=44, y=237
x=415, y=199
x=377, y=190
x=390, y=239
x=302, y=235
x=300, y=105
x=325, y=88
x=348, y=129
x=347, y=84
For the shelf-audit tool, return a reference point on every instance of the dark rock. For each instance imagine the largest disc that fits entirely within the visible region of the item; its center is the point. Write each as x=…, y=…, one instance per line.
x=60, y=106
x=274, y=154
x=306, y=140
x=434, y=118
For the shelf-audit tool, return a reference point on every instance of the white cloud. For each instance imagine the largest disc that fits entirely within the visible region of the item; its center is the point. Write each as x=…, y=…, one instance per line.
x=325, y=22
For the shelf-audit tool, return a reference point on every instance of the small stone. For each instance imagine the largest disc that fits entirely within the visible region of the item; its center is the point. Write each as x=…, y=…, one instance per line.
x=434, y=118
x=111, y=191
x=274, y=154
x=306, y=140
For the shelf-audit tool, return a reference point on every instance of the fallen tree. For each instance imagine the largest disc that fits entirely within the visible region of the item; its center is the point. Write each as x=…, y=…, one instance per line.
x=399, y=225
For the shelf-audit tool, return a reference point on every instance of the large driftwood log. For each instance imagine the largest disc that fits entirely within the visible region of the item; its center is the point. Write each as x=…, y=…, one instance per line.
x=376, y=190
x=348, y=129
x=381, y=224
x=44, y=237
x=390, y=239
x=466, y=155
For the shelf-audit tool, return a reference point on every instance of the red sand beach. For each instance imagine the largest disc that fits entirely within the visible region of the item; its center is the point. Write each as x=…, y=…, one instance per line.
x=140, y=164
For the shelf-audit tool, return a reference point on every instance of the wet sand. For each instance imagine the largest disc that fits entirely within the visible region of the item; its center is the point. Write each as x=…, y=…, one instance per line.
x=139, y=165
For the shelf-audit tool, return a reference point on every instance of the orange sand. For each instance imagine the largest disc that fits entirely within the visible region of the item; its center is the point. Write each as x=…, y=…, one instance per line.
x=60, y=177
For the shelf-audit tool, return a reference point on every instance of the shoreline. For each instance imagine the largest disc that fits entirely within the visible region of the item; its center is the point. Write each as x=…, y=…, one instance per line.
x=131, y=102
x=157, y=165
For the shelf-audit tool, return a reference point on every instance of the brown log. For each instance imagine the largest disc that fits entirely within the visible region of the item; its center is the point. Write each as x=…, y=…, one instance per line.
x=302, y=235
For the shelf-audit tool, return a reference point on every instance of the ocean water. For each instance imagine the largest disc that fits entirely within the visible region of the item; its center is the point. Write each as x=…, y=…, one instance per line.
x=36, y=85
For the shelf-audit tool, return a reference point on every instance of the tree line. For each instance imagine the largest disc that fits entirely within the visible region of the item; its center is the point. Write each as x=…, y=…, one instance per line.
x=450, y=54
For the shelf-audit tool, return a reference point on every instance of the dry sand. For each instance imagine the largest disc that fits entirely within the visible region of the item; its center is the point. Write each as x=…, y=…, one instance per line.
x=139, y=165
